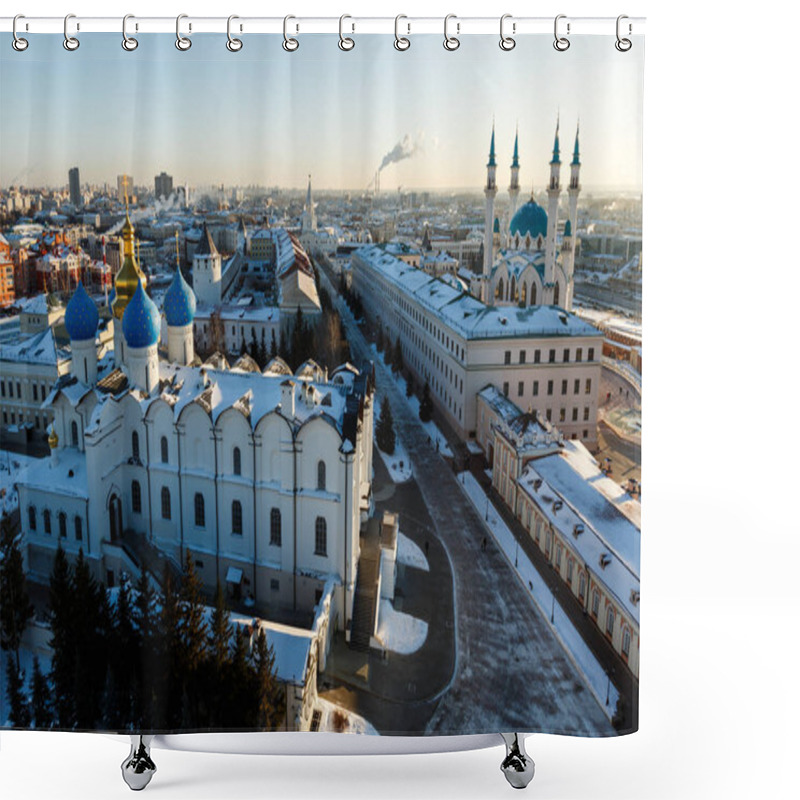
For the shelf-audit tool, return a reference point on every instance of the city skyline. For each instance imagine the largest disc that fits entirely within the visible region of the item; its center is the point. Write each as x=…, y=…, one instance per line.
x=278, y=127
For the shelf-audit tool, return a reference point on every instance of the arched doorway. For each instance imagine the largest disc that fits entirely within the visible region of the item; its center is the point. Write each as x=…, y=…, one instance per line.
x=115, y=517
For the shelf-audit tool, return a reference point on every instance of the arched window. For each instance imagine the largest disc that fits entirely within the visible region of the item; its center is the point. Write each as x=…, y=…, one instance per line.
x=62, y=525
x=237, y=461
x=236, y=518
x=610, y=621
x=78, y=529
x=582, y=586
x=164, y=450
x=595, y=603
x=47, y=526
x=524, y=294
x=199, y=510
x=512, y=292
x=31, y=518
x=136, y=497
x=166, y=504
x=275, y=527
x=135, y=445
x=533, y=294
x=321, y=475
x=555, y=294
x=498, y=292
x=74, y=430
x=626, y=641
x=570, y=566
x=320, y=537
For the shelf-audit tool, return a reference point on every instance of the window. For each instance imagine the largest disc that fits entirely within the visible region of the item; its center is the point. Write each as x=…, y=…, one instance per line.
x=505, y=388
x=574, y=414
x=199, y=510
x=626, y=641
x=166, y=504
x=595, y=603
x=552, y=357
x=31, y=518
x=78, y=529
x=564, y=387
x=136, y=497
x=576, y=388
x=321, y=475
x=535, y=388
x=275, y=527
x=566, y=355
x=236, y=518
x=570, y=566
x=164, y=450
x=74, y=433
x=237, y=461
x=274, y=585
x=47, y=527
x=558, y=556
x=320, y=537
x=2, y=388
x=62, y=525
x=586, y=414
x=135, y=445
x=610, y=621
x=582, y=586
x=521, y=356
x=549, y=414
x=537, y=356
x=547, y=543
x=537, y=526
x=588, y=386
x=562, y=415
x=579, y=354
x=590, y=354
x=521, y=389
x=549, y=387
x=35, y=392
x=507, y=359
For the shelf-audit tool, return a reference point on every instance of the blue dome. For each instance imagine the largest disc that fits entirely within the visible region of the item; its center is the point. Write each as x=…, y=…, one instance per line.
x=81, y=317
x=179, y=302
x=141, y=322
x=529, y=219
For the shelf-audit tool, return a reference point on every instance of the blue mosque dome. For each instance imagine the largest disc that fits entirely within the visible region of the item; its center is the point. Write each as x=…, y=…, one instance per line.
x=141, y=322
x=531, y=219
x=81, y=316
x=179, y=302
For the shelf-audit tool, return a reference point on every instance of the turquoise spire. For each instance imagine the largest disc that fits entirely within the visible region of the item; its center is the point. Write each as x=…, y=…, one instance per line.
x=515, y=160
x=556, y=153
x=576, y=157
x=492, y=160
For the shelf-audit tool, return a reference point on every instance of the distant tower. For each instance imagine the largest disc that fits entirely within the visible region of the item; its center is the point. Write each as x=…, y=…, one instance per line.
x=75, y=187
x=553, y=193
x=141, y=325
x=179, y=308
x=81, y=320
x=513, y=189
x=308, y=221
x=207, y=271
x=490, y=190
x=573, y=191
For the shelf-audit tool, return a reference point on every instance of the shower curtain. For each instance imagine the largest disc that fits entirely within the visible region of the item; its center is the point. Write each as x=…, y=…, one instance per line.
x=321, y=384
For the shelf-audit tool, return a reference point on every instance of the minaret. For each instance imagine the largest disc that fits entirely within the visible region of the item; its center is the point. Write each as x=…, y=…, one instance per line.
x=513, y=189
x=553, y=193
x=490, y=190
x=308, y=221
x=573, y=191
x=207, y=271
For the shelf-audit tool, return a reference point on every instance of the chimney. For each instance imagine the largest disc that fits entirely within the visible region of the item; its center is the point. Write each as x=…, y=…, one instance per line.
x=287, y=398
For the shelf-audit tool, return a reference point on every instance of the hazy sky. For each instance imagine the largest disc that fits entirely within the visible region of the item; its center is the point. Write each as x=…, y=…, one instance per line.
x=269, y=117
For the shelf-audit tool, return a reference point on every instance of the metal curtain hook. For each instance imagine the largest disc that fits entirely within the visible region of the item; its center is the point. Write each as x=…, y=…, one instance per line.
x=451, y=42
x=70, y=42
x=507, y=42
x=18, y=43
x=561, y=43
x=289, y=44
x=623, y=45
x=128, y=42
x=345, y=42
x=233, y=44
x=401, y=42
x=181, y=42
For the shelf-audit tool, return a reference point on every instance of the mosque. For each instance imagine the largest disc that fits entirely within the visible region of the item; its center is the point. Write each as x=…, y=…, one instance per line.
x=264, y=476
x=524, y=264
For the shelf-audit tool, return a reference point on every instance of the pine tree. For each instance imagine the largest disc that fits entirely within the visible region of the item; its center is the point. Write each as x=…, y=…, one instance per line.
x=283, y=347
x=379, y=339
x=40, y=698
x=243, y=345
x=193, y=637
x=62, y=671
x=273, y=346
x=426, y=404
x=263, y=355
x=15, y=606
x=253, y=345
x=409, y=385
x=397, y=357
x=384, y=433
x=19, y=713
x=269, y=698
x=221, y=631
x=165, y=676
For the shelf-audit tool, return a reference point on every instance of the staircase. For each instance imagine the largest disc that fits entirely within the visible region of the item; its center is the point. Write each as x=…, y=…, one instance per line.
x=366, y=598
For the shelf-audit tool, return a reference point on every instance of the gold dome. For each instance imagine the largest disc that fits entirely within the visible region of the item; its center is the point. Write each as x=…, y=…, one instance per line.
x=129, y=274
x=52, y=439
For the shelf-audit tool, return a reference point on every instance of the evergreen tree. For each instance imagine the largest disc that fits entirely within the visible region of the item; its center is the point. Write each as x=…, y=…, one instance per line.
x=384, y=433
x=379, y=339
x=253, y=345
x=397, y=357
x=239, y=710
x=15, y=606
x=19, y=711
x=283, y=346
x=263, y=354
x=40, y=698
x=221, y=632
x=409, y=385
x=62, y=671
x=121, y=707
x=273, y=346
x=243, y=345
x=269, y=698
x=193, y=636
x=426, y=404
x=166, y=675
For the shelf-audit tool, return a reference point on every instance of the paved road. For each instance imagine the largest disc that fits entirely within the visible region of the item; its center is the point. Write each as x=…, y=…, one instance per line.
x=511, y=672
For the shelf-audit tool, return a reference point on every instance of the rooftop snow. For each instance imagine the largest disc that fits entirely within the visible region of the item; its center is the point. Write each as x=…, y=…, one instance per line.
x=67, y=477
x=38, y=349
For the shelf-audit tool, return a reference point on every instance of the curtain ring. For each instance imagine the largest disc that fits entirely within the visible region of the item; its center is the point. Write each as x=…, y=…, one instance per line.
x=289, y=44
x=70, y=42
x=507, y=42
x=623, y=45
x=182, y=42
x=345, y=42
x=561, y=43
x=18, y=43
x=128, y=42
x=451, y=42
x=401, y=42
x=233, y=44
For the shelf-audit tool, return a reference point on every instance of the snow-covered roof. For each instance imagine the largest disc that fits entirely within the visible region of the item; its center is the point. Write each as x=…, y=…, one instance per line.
x=34, y=305
x=66, y=477
x=291, y=646
x=236, y=312
x=37, y=349
x=465, y=314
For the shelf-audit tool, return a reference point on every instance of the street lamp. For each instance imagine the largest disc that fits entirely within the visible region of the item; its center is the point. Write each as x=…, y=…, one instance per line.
x=553, y=609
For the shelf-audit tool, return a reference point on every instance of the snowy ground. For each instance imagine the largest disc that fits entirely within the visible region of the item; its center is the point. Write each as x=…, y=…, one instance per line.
x=11, y=464
x=353, y=722
x=397, y=464
x=563, y=628
x=400, y=633
x=409, y=554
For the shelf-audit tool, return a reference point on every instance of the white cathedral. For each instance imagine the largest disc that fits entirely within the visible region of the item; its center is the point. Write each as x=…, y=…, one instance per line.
x=264, y=477
x=523, y=263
